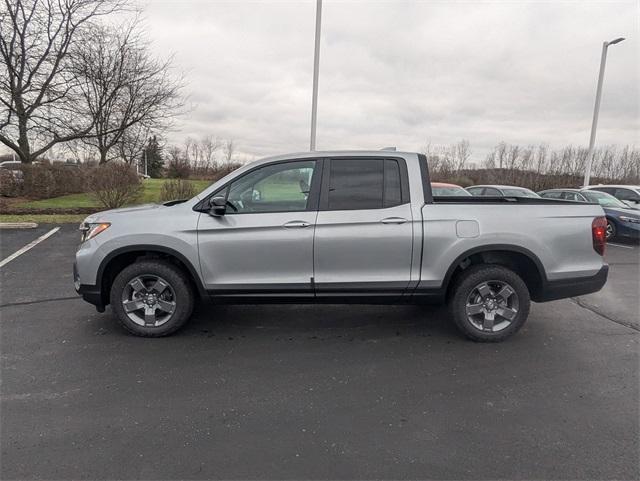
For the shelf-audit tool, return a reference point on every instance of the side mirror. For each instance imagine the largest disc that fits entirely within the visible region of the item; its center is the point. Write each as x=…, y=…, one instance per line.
x=218, y=206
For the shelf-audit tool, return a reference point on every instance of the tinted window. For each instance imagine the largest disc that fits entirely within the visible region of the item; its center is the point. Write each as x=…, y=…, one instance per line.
x=551, y=195
x=571, y=196
x=475, y=190
x=392, y=190
x=491, y=192
x=364, y=184
x=273, y=188
x=626, y=194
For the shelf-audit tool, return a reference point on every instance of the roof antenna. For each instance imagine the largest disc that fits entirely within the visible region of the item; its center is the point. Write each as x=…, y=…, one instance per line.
x=389, y=149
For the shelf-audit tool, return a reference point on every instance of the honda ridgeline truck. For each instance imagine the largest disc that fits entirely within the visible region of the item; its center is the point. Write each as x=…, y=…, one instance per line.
x=340, y=227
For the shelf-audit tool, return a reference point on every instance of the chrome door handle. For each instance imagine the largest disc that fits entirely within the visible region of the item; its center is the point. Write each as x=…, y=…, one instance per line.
x=299, y=224
x=394, y=220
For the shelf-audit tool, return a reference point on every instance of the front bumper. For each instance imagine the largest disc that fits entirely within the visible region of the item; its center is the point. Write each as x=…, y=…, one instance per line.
x=91, y=294
x=573, y=286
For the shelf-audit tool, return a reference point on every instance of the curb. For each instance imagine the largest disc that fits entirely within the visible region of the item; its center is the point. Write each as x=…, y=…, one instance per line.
x=18, y=225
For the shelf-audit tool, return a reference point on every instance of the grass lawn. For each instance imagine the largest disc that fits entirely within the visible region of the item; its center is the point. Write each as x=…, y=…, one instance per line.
x=150, y=193
x=44, y=219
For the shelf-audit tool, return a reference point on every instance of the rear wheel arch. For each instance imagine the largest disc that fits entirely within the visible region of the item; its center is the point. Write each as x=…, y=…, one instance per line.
x=117, y=260
x=518, y=259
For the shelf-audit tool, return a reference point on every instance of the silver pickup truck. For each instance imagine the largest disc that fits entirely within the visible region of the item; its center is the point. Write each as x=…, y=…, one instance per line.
x=340, y=227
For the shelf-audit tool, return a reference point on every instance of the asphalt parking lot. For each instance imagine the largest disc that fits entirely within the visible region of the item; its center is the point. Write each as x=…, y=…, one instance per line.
x=302, y=392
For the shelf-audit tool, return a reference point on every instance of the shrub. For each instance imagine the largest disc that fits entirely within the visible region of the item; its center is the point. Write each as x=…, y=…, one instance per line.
x=42, y=181
x=115, y=184
x=178, y=168
x=176, y=189
x=10, y=183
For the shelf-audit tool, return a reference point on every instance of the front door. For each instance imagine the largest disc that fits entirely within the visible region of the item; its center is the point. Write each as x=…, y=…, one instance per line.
x=263, y=245
x=364, y=229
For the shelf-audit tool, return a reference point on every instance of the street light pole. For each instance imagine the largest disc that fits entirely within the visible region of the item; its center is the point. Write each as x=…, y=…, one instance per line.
x=596, y=109
x=316, y=65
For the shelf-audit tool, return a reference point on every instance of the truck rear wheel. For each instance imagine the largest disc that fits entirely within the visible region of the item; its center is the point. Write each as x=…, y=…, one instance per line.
x=151, y=298
x=489, y=303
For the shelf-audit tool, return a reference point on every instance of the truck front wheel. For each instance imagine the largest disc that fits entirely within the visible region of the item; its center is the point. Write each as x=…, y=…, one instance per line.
x=151, y=298
x=489, y=303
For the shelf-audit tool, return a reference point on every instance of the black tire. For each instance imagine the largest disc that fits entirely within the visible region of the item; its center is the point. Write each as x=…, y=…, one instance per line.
x=181, y=295
x=465, y=287
x=612, y=230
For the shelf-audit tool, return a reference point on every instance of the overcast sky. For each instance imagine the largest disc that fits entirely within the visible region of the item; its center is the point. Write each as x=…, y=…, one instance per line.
x=401, y=74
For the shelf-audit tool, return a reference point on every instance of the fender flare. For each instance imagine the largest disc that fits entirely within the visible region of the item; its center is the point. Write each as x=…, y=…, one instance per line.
x=492, y=248
x=193, y=272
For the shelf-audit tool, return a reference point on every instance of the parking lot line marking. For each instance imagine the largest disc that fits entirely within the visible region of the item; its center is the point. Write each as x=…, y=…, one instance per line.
x=618, y=245
x=29, y=246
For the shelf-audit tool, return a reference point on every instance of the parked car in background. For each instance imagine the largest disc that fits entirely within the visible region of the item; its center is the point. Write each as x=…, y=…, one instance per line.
x=441, y=189
x=10, y=165
x=12, y=168
x=622, y=221
x=629, y=194
x=501, y=191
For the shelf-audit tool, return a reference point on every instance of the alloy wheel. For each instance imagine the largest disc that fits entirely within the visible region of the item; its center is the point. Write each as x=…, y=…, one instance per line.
x=149, y=300
x=492, y=306
x=610, y=230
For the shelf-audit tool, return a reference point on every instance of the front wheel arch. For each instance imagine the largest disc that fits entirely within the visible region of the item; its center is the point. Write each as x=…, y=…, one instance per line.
x=118, y=259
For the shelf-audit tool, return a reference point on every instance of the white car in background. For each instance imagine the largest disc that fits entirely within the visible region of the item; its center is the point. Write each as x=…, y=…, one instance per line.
x=629, y=194
x=501, y=191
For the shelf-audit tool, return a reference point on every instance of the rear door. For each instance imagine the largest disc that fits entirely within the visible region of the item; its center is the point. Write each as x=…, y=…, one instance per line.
x=364, y=229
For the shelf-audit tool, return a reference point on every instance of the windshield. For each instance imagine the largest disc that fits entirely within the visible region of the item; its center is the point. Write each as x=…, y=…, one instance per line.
x=449, y=191
x=604, y=199
x=519, y=193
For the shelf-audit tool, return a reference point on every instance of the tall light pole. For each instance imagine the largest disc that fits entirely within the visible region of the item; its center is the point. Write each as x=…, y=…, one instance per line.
x=596, y=109
x=316, y=65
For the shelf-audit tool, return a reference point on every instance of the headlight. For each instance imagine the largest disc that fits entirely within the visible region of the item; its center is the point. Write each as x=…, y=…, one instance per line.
x=89, y=229
x=633, y=220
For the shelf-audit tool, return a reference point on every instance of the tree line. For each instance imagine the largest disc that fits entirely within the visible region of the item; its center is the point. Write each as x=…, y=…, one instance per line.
x=533, y=166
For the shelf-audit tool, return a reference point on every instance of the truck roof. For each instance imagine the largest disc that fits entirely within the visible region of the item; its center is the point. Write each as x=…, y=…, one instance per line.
x=335, y=153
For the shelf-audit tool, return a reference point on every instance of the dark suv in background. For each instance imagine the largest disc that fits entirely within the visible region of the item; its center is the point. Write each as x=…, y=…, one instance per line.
x=622, y=220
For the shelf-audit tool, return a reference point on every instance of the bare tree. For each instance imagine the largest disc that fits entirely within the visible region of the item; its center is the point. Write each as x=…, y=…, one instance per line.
x=229, y=150
x=132, y=143
x=209, y=145
x=38, y=96
x=123, y=86
x=462, y=152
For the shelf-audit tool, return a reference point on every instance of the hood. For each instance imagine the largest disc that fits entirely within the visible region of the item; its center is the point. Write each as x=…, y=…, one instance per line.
x=631, y=205
x=633, y=213
x=107, y=214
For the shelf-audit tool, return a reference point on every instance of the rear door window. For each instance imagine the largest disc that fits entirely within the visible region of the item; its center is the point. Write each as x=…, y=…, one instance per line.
x=551, y=195
x=570, y=196
x=626, y=194
x=359, y=184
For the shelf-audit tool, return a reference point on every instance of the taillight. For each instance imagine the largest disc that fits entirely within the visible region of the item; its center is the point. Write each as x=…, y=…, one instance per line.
x=599, y=234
